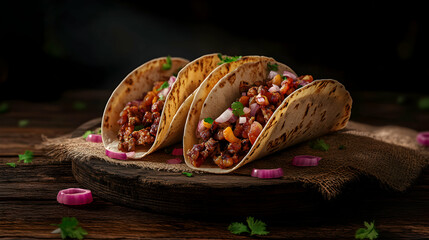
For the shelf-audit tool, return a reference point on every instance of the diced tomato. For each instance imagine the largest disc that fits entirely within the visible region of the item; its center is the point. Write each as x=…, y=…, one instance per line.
x=255, y=130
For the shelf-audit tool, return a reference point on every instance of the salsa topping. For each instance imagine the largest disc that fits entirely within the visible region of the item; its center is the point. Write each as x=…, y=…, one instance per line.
x=139, y=120
x=230, y=136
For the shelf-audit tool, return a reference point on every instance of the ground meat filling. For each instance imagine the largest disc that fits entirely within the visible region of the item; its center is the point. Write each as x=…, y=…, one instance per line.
x=228, y=148
x=139, y=121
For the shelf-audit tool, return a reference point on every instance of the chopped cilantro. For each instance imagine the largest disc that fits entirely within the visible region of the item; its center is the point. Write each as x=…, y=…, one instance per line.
x=23, y=122
x=86, y=134
x=167, y=65
x=4, y=107
x=369, y=232
x=12, y=164
x=272, y=67
x=164, y=85
x=79, y=105
x=226, y=59
x=138, y=127
x=162, y=97
x=319, y=144
x=256, y=227
x=188, y=174
x=237, y=108
x=423, y=103
x=209, y=120
x=27, y=157
x=69, y=228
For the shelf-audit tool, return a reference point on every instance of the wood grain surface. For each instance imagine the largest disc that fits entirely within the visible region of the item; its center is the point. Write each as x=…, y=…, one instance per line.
x=28, y=192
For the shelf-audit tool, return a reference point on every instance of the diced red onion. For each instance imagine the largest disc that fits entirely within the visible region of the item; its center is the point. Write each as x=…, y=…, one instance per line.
x=130, y=154
x=116, y=155
x=200, y=128
x=164, y=92
x=171, y=80
x=272, y=74
x=267, y=173
x=177, y=152
x=94, y=138
x=423, y=138
x=274, y=88
x=246, y=110
x=174, y=161
x=242, y=120
x=225, y=116
x=233, y=119
x=74, y=196
x=134, y=103
x=289, y=74
x=253, y=109
x=305, y=160
x=244, y=94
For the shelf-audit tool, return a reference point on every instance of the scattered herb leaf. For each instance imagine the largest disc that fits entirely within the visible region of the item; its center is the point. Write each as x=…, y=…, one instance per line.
x=162, y=97
x=23, y=122
x=238, y=228
x=27, y=157
x=256, y=227
x=79, y=105
x=209, y=120
x=319, y=144
x=4, y=107
x=188, y=174
x=342, y=147
x=12, y=164
x=272, y=67
x=69, y=228
x=237, y=108
x=167, y=65
x=369, y=232
x=86, y=134
x=164, y=85
x=227, y=59
x=423, y=103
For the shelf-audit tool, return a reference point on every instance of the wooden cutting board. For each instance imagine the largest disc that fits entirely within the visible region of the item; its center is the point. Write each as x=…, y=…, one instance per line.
x=200, y=195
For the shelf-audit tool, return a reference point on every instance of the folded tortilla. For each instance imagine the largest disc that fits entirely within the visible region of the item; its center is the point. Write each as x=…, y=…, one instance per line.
x=318, y=108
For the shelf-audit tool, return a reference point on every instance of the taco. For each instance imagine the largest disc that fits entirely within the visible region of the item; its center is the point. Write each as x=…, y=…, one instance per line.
x=257, y=109
x=147, y=111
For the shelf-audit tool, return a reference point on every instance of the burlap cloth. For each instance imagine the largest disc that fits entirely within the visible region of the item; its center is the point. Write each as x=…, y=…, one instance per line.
x=389, y=154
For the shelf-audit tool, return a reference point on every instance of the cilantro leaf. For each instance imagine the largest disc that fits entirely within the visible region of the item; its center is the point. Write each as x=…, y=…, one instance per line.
x=79, y=105
x=256, y=226
x=138, y=127
x=319, y=144
x=369, y=232
x=238, y=228
x=69, y=228
x=167, y=65
x=237, y=108
x=188, y=174
x=12, y=164
x=27, y=157
x=23, y=122
x=164, y=85
x=272, y=67
x=4, y=107
x=227, y=59
x=86, y=134
x=209, y=120
x=423, y=103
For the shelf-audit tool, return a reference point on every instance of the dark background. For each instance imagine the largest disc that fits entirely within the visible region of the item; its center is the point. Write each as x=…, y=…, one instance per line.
x=48, y=47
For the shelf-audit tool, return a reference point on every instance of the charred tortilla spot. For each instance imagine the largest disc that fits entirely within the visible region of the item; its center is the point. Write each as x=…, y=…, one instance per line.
x=106, y=119
x=333, y=90
x=323, y=116
x=109, y=109
x=129, y=81
x=128, y=90
x=232, y=79
x=283, y=125
x=222, y=84
x=297, y=105
x=306, y=110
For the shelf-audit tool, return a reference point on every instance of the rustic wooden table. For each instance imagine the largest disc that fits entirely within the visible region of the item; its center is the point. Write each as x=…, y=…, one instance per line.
x=28, y=192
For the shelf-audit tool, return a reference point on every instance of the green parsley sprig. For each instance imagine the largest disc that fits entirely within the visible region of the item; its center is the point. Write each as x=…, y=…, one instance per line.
x=226, y=59
x=168, y=64
x=369, y=232
x=237, y=108
x=69, y=228
x=27, y=157
x=319, y=144
x=254, y=227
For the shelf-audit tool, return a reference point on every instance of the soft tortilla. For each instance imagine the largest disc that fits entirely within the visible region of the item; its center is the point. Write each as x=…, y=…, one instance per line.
x=132, y=87
x=318, y=108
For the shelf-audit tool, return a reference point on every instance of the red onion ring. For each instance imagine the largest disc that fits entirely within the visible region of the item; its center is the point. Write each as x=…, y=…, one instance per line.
x=274, y=88
x=253, y=109
x=225, y=116
x=174, y=161
x=74, y=196
x=289, y=74
x=423, y=138
x=116, y=155
x=267, y=173
x=305, y=160
x=94, y=138
x=177, y=152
